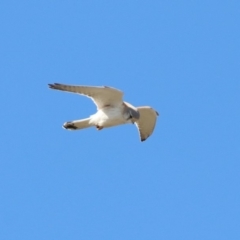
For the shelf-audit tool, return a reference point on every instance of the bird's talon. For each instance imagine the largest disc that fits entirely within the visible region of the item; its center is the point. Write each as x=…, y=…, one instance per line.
x=99, y=127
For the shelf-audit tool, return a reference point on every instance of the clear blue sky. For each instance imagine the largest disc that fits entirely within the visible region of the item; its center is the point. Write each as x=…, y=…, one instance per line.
x=180, y=57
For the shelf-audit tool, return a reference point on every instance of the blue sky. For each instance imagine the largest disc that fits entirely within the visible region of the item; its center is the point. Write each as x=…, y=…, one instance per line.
x=180, y=57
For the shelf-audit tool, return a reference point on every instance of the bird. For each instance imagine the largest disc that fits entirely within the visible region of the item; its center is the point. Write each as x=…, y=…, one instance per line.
x=111, y=110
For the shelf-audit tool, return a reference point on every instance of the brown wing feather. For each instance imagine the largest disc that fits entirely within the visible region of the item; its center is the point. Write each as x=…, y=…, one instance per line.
x=102, y=96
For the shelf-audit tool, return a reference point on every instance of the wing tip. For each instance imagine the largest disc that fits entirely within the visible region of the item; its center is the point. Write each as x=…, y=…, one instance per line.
x=53, y=85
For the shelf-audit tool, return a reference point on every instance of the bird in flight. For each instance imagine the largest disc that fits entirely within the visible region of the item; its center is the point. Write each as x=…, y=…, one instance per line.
x=111, y=110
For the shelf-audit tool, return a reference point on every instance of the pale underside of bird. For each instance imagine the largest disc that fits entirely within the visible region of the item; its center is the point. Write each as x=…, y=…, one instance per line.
x=111, y=110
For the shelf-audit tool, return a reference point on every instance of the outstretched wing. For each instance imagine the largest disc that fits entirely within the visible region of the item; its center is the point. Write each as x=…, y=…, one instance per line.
x=101, y=96
x=147, y=121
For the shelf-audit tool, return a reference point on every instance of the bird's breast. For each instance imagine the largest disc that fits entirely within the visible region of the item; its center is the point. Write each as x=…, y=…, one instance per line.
x=109, y=116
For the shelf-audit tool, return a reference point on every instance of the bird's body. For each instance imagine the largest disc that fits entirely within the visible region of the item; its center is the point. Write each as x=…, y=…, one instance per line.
x=110, y=116
x=111, y=110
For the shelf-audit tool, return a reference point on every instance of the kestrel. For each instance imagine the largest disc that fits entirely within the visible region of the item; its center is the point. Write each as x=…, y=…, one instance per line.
x=111, y=110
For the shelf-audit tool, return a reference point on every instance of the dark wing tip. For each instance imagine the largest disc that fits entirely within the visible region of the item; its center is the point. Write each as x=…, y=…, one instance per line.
x=53, y=86
x=69, y=126
x=143, y=139
x=157, y=113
